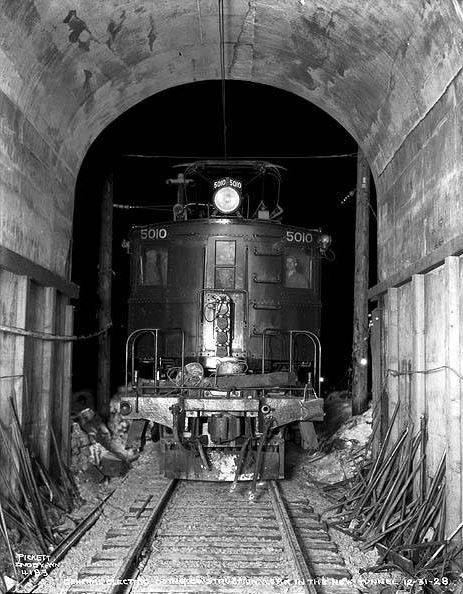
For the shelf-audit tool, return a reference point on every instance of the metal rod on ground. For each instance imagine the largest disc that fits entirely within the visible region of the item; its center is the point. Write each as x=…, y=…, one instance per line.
x=28, y=473
x=423, y=429
x=7, y=542
x=441, y=548
x=386, y=467
x=54, y=492
x=18, y=510
x=380, y=457
x=29, y=507
x=360, y=330
x=430, y=496
x=384, y=445
x=70, y=540
x=392, y=492
x=396, y=501
x=63, y=473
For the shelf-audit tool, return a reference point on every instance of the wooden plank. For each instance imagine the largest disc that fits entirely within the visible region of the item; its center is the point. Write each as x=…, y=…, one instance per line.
x=392, y=355
x=33, y=359
x=22, y=266
x=67, y=386
x=453, y=397
x=7, y=343
x=384, y=405
x=19, y=368
x=48, y=351
x=436, y=258
x=104, y=294
x=405, y=327
x=419, y=348
x=435, y=337
x=376, y=371
x=418, y=387
x=360, y=322
x=10, y=383
x=274, y=379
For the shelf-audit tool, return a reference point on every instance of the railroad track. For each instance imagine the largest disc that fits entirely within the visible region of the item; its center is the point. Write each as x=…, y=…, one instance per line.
x=197, y=537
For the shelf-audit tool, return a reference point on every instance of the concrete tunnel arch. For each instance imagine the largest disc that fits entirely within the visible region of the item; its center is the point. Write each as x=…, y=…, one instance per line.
x=389, y=74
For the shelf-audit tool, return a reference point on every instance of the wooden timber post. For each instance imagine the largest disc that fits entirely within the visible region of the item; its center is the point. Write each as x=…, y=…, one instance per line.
x=360, y=330
x=104, y=294
x=42, y=429
x=453, y=480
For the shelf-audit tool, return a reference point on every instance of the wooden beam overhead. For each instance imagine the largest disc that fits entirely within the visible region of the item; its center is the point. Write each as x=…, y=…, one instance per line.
x=454, y=247
x=21, y=266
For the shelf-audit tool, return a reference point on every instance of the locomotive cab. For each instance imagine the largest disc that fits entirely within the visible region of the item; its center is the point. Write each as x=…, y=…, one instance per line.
x=224, y=318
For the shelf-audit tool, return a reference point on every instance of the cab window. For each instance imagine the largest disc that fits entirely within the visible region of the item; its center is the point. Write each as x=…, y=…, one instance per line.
x=297, y=269
x=153, y=267
x=225, y=264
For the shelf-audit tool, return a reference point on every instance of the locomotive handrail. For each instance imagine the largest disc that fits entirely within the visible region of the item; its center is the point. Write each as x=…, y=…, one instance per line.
x=292, y=334
x=317, y=351
x=130, y=344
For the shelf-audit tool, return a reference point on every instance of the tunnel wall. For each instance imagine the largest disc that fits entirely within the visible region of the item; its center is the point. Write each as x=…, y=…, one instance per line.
x=420, y=239
x=36, y=189
x=417, y=353
x=35, y=374
x=36, y=211
x=419, y=191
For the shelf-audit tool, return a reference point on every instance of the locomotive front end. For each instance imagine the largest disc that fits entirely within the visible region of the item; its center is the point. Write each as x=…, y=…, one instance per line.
x=224, y=351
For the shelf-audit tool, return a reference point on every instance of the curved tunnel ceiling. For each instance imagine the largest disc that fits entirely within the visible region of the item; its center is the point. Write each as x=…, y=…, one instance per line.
x=73, y=67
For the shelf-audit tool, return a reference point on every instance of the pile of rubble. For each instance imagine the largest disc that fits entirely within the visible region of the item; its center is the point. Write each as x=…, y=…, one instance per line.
x=384, y=507
x=100, y=449
x=338, y=460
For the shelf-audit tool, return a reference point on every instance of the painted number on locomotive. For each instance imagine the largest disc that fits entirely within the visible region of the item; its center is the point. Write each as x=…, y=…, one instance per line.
x=227, y=181
x=153, y=233
x=298, y=237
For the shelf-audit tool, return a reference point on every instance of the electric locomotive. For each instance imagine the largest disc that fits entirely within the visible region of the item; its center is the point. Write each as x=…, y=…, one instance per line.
x=224, y=321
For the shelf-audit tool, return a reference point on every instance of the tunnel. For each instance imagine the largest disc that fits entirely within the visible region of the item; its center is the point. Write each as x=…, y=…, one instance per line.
x=389, y=75
x=141, y=152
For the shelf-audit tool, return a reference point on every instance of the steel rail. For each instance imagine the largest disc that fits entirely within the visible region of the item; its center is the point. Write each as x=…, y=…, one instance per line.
x=130, y=560
x=206, y=517
x=303, y=572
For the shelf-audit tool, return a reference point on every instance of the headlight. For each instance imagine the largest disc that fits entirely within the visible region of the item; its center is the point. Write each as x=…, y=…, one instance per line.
x=226, y=200
x=125, y=408
x=324, y=241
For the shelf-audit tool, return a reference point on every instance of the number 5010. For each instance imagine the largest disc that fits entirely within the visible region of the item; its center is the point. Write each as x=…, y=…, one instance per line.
x=298, y=236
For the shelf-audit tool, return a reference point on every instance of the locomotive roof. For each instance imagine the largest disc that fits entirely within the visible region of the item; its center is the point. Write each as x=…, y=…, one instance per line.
x=243, y=167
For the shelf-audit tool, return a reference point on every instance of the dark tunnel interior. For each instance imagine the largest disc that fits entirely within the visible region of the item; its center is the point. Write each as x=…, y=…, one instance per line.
x=184, y=124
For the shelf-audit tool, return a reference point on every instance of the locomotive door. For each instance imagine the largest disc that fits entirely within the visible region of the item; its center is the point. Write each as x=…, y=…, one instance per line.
x=224, y=299
x=265, y=307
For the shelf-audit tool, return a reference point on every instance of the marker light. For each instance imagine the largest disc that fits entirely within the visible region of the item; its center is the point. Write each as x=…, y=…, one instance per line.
x=226, y=200
x=363, y=362
x=125, y=408
x=324, y=241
